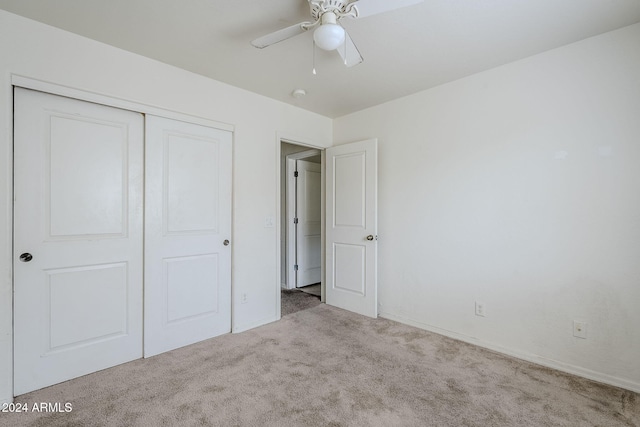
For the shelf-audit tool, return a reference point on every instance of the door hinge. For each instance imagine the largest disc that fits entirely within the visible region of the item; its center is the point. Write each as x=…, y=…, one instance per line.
x=295, y=267
x=295, y=174
x=295, y=220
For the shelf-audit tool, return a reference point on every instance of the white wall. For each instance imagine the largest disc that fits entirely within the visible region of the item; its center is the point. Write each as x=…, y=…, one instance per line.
x=30, y=49
x=518, y=187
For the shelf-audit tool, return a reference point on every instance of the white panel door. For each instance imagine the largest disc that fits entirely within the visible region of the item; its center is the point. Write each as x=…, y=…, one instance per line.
x=308, y=197
x=78, y=213
x=187, y=234
x=351, y=227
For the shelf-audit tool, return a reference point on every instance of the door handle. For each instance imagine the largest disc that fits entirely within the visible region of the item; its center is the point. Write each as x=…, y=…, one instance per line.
x=226, y=242
x=370, y=237
x=26, y=257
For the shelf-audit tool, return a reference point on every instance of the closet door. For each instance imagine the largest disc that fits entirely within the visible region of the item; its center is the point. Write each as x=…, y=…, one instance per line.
x=187, y=234
x=77, y=238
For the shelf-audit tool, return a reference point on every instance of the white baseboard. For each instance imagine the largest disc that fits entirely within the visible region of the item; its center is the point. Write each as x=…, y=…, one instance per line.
x=529, y=357
x=246, y=326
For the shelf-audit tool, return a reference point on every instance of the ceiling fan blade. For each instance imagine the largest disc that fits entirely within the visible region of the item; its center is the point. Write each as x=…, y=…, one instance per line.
x=280, y=35
x=373, y=7
x=349, y=52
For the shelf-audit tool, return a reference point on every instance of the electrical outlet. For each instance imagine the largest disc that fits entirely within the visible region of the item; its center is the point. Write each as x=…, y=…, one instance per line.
x=479, y=308
x=244, y=297
x=580, y=329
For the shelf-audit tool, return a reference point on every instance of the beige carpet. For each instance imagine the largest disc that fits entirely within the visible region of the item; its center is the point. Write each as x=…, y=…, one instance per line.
x=323, y=366
x=312, y=289
x=294, y=300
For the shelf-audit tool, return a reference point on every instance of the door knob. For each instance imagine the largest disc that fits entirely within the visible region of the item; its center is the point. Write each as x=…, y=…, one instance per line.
x=370, y=237
x=26, y=257
x=226, y=242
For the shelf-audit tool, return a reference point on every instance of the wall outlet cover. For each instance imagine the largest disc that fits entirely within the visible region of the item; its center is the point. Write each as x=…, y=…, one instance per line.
x=479, y=308
x=580, y=329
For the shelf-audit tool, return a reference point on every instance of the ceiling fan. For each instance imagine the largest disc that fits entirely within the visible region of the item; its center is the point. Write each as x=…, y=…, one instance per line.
x=329, y=34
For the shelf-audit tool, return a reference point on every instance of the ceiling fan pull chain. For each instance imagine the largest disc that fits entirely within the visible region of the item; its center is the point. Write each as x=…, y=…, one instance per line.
x=314, y=58
x=345, y=51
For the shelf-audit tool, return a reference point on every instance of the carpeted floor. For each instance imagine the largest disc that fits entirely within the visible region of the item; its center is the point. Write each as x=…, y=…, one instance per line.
x=322, y=366
x=312, y=289
x=294, y=300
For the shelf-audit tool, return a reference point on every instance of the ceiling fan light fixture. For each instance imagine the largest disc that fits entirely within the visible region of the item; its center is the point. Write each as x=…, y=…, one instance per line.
x=329, y=35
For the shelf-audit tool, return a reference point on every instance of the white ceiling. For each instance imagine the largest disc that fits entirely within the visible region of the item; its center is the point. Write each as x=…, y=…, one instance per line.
x=405, y=51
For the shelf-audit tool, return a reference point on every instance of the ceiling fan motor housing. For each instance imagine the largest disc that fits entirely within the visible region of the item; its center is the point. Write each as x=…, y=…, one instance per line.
x=340, y=8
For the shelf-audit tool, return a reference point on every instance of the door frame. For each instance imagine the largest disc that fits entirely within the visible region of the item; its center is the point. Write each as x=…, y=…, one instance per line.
x=16, y=80
x=291, y=201
x=317, y=149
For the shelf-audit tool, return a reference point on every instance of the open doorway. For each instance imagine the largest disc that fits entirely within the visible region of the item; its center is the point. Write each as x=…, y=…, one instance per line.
x=301, y=224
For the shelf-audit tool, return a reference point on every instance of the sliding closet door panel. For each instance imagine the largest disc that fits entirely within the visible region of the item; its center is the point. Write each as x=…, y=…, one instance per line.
x=78, y=238
x=187, y=222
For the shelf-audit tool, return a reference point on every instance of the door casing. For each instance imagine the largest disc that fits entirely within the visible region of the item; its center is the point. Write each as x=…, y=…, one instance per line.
x=280, y=213
x=373, y=310
x=291, y=211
